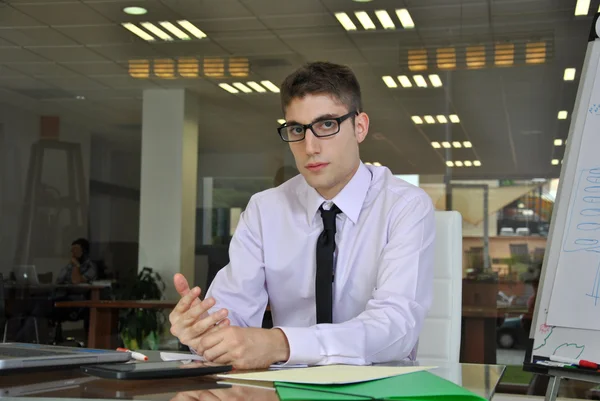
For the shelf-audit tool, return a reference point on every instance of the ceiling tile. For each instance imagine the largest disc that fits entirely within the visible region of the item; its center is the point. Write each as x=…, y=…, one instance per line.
x=99, y=34
x=305, y=43
x=97, y=68
x=255, y=46
x=68, y=53
x=211, y=27
x=285, y=22
x=74, y=83
x=40, y=36
x=23, y=83
x=46, y=69
x=18, y=55
x=12, y=18
x=126, y=82
x=206, y=9
x=193, y=48
x=127, y=52
x=62, y=13
x=268, y=7
x=7, y=72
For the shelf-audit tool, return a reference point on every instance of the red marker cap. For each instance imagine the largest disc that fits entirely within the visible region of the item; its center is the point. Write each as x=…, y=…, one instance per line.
x=587, y=364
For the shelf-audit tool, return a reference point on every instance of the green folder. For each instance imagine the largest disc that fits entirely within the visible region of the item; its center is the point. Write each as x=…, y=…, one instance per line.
x=418, y=386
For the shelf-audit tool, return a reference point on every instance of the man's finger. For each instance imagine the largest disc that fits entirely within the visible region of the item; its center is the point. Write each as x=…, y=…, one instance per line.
x=221, y=325
x=197, y=312
x=181, y=284
x=218, y=353
x=183, y=288
x=208, y=395
x=203, y=325
x=184, y=303
x=210, y=340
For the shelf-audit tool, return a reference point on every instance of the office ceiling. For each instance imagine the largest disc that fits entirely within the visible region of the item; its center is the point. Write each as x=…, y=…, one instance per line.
x=53, y=53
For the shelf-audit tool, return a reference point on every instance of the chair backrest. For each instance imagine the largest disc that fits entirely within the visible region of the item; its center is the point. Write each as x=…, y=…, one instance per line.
x=440, y=336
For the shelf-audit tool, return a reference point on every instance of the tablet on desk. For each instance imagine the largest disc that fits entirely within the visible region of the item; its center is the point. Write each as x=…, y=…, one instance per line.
x=155, y=370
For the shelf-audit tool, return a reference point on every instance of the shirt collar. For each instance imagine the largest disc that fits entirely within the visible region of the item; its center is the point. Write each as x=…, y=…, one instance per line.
x=350, y=199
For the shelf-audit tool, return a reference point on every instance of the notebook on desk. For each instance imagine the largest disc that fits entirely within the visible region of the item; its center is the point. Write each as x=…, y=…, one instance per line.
x=22, y=356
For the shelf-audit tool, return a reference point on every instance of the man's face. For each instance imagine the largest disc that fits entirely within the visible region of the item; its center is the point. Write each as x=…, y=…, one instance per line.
x=326, y=163
x=76, y=250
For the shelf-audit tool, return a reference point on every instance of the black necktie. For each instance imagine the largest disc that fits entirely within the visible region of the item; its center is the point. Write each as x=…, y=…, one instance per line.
x=324, y=276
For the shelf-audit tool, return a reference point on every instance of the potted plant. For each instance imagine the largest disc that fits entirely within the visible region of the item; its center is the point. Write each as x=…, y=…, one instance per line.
x=141, y=328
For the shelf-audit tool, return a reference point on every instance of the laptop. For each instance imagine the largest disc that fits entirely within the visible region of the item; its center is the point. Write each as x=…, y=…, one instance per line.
x=22, y=355
x=26, y=275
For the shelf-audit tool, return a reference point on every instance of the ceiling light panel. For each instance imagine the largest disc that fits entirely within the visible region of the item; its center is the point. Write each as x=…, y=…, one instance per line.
x=249, y=87
x=270, y=86
x=420, y=81
x=389, y=81
x=373, y=20
x=385, y=20
x=405, y=18
x=178, y=33
x=569, y=74
x=435, y=80
x=582, y=7
x=138, y=31
x=191, y=28
x=159, y=33
x=442, y=119
x=345, y=21
x=165, y=30
x=365, y=20
x=405, y=81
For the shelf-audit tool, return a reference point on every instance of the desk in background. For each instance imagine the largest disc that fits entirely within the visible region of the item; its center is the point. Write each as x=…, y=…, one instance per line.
x=71, y=383
x=104, y=318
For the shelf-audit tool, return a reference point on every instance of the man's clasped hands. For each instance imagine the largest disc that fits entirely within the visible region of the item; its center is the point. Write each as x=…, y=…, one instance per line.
x=213, y=336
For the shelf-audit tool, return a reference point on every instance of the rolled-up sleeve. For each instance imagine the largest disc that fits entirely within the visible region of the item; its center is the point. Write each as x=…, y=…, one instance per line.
x=389, y=327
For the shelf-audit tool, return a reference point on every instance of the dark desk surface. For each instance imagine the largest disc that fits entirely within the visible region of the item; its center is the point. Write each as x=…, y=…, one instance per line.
x=71, y=383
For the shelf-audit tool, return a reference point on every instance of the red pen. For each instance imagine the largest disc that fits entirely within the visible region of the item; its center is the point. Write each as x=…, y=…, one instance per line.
x=135, y=355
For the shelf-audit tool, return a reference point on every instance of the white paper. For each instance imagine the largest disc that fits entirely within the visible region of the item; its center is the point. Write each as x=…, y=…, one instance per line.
x=177, y=356
x=330, y=374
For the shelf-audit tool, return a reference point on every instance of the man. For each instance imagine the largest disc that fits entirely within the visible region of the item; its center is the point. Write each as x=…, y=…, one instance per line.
x=80, y=268
x=343, y=253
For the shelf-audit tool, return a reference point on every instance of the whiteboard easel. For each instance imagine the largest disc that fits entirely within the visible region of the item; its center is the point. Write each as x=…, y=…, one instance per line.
x=566, y=320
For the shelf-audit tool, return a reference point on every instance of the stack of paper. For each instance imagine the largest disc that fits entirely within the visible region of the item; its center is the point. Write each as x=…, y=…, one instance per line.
x=343, y=382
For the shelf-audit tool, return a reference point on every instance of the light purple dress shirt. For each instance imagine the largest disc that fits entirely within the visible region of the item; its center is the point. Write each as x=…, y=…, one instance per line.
x=383, y=284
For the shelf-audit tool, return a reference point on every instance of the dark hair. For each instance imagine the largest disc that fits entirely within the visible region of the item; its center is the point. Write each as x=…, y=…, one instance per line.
x=83, y=243
x=322, y=78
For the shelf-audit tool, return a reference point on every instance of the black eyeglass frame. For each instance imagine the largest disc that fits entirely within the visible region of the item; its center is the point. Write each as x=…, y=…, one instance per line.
x=306, y=127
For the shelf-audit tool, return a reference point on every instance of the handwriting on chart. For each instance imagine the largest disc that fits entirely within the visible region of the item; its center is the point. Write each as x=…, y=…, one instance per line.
x=594, y=108
x=583, y=224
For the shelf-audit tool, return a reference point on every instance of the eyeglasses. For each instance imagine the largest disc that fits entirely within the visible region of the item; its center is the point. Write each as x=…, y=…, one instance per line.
x=321, y=128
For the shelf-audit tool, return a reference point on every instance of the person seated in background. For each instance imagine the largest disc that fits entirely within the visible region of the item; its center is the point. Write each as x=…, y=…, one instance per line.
x=343, y=253
x=80, y=268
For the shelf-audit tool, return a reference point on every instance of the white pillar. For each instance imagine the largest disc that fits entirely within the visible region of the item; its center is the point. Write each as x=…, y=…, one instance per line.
x=168, y=184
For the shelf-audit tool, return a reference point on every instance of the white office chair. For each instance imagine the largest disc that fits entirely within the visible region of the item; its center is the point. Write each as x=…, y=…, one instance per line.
x=440, y=337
